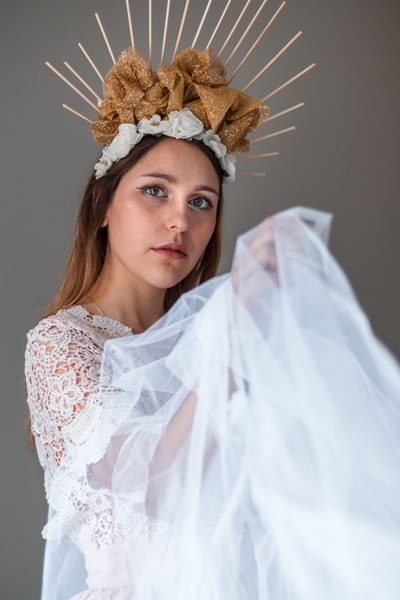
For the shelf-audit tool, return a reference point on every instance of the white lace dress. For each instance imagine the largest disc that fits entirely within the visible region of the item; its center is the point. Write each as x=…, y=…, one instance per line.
x=63, y=359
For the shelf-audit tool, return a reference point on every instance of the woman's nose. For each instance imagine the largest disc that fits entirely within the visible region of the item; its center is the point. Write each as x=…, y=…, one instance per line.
x=177, y=217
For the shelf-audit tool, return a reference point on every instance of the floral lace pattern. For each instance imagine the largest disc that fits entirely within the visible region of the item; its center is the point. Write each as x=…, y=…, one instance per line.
x=63, y=360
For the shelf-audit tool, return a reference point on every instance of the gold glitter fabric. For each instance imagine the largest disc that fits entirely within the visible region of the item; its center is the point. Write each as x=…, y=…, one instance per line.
x=195, y=80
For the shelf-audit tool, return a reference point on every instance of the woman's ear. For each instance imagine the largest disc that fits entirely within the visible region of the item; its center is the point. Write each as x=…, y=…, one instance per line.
x=104, y=222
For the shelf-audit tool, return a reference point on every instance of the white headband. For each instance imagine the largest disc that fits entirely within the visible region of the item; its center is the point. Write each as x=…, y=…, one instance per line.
x=181, y=124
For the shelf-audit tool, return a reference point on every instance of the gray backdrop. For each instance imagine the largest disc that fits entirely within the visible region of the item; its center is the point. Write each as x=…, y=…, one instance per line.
x=343, y=158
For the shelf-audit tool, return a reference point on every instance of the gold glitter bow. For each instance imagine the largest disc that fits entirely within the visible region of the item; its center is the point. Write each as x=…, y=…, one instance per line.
x=195, y=80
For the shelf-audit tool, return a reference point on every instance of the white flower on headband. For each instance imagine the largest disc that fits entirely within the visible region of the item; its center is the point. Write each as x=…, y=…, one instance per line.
x=228, y=161
x=228, y=164
x=181, y=124
x=128, y=136
x=103, y=164
x=153, y=126
x=184, y=124
x=211, y=139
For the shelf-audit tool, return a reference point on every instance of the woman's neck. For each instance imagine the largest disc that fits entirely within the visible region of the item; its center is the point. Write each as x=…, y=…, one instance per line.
x=138, y=307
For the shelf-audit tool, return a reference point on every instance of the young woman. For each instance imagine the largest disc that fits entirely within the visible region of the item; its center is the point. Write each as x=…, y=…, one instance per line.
x=239, y=440
x=147, y=231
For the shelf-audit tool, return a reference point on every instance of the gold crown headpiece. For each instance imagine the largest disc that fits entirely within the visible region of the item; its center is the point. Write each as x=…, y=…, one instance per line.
x=191, y=98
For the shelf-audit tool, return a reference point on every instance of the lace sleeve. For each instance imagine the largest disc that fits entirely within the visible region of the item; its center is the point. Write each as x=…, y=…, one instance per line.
x=62, y=374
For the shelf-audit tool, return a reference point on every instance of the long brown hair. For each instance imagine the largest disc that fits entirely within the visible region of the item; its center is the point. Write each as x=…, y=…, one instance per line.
x=90, y=241
x=89, y=245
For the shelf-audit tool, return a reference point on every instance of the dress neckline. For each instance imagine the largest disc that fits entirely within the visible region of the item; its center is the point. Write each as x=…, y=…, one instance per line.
x=81, y=311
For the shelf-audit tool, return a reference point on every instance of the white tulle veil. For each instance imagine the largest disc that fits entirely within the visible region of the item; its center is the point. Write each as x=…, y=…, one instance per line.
x=254, y=433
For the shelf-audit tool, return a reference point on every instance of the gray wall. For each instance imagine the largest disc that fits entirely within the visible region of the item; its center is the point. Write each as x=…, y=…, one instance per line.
x=343, y=158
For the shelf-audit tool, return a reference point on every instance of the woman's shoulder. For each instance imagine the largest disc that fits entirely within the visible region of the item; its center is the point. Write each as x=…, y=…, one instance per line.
x=67, y=322
x=76, y=321
x=71, y=338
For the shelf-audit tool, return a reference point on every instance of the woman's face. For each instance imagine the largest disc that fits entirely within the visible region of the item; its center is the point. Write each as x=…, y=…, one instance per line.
x=162, y=216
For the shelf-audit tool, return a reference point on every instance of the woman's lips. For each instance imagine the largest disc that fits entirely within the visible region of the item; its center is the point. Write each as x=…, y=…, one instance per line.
x=173, y=250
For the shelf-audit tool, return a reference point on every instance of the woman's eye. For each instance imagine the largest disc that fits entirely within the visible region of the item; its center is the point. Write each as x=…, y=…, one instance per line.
x=155, y=190
x=200, y=202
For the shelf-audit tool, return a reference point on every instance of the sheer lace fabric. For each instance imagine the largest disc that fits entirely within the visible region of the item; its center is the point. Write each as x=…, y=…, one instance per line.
x=63, y=359
x=244, y=447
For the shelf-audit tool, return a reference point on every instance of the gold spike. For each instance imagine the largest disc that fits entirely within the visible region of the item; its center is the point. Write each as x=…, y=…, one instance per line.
x=268, y=25
x=271, y=135
x=256, y=173
x=201, y=23
x=103, y=33
x=91, y=62
x=284, y=112
x=82, y=81
x=249, y=26
x=165, y=31
x=234, y=27
x=218, y=24
x=290, y=42
x=75, y=112
x=128, y=12
x=178, y=39
x=71, y=85
x=281, y=87
x=150, y=31
x=262, y=155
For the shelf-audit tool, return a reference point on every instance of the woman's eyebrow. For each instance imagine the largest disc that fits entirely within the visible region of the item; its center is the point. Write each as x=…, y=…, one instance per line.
x=165, y=176
x=172, y=179
x=206, y=188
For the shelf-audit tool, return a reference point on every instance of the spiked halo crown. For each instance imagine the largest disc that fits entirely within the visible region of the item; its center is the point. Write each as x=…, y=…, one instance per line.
x=189, y=98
